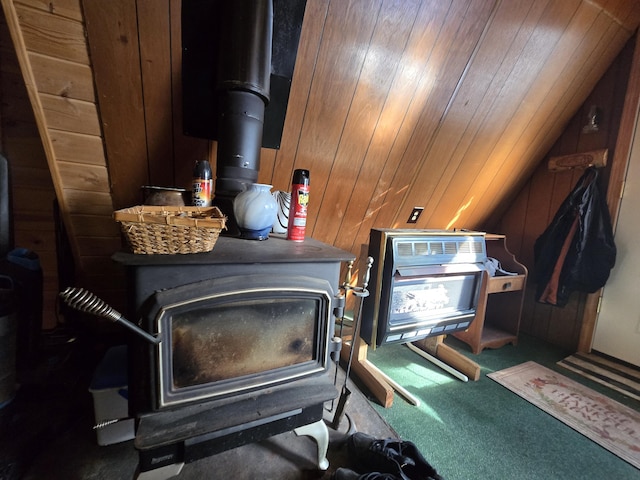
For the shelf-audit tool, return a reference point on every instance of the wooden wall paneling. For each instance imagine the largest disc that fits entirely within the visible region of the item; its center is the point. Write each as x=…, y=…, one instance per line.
x=17, y=107
x=89, y=202
x=514, y=225
x=332, y=92
x=29, y=177
x=603, y=97
x=627, y=13
x=482, y=102
x=32, y=219
x=538, y=211
x=436, y=151
x=564, y=325
x=39, y=236
x=56, y=109
x=78, y=147
x=96, y=246
x=562, y=321
x=155, y=69
x=62, y=78
x=32, y=191
x=11, y=74
x=186, y=150
x=33, y=129
x=62, y=8
x=26, y=151
x=608, y=97
x=612, y=112
x=534, y=132
x=95, y=226
x=52, y=35
x=587, y=75
x=464, y=191
x=21, y=115
x=461, y=30
x=547, y=318
x=413, y=80
x=90, y=178
x=453, y=51
x=267, y=162
x=315, y=16
x=381, y=63
x=69, y=114
x=113, y=40
x=632, y=19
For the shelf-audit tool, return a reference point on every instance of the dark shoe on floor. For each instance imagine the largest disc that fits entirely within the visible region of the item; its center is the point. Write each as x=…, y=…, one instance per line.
x=389, y=455
x=346, y=474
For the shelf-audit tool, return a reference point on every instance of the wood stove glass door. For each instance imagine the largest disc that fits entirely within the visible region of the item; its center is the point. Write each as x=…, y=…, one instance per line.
x=242, y=338
x=223, y=344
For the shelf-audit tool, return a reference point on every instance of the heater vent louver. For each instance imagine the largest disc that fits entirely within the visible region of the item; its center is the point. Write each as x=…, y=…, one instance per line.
x=422, y=248
x=450, y=248
x=469, y=247
x=436, y=248
x=405, y=249
x=425, y=251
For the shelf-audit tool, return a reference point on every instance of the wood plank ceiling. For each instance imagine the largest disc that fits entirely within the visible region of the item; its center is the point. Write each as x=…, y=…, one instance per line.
x=449, y=105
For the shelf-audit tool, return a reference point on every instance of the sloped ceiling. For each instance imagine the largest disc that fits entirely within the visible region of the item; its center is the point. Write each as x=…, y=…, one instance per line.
x=449, y=105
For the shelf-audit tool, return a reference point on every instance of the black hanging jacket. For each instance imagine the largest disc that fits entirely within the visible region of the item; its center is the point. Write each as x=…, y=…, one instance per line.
x=576, y=252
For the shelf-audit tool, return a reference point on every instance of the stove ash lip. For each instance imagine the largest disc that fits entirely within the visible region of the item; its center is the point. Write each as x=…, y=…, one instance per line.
x=165, y=303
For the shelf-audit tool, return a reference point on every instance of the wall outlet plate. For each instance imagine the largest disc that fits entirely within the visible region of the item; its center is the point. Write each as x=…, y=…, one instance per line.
x=415, y=214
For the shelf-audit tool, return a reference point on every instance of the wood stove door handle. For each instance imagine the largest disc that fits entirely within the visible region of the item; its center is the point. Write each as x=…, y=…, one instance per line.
x=362, y=291
x=347, y=275
x=367, y=274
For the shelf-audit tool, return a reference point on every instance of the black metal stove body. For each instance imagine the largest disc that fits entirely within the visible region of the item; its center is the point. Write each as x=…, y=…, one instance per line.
x=424, y=283
x=247, y=339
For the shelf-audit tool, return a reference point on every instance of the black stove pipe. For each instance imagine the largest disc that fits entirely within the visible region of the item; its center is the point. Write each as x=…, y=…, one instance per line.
x=242, y=85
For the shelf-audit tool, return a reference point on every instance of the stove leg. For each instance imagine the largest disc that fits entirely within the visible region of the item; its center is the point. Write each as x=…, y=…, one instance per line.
x=320, y=433
x=161, y=473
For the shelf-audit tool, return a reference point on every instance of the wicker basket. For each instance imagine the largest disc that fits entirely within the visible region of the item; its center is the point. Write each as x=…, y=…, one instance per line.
x=170, y=230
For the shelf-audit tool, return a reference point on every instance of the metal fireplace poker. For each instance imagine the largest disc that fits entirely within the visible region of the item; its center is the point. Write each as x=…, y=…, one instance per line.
x=87, y=302
x=361, y=293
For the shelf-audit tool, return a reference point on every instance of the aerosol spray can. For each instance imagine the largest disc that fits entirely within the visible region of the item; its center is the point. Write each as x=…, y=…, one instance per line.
x=202, y=185
x=299, y=204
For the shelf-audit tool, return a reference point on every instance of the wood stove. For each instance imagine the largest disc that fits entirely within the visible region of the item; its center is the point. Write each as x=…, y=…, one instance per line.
x=425, y=283
x=246, y=341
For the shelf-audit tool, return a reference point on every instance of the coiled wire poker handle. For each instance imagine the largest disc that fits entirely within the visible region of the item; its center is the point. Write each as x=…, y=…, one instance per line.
x=87, y=302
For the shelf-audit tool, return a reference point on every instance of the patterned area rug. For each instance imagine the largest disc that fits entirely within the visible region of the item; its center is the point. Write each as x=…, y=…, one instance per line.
x=612, y=425
x=621, y=378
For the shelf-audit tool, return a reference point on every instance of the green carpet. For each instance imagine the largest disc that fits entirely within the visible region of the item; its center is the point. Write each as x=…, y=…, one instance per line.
x=480, y=429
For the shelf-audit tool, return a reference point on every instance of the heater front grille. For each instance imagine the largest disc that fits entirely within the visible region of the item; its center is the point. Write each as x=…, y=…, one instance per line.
x=426, y=283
